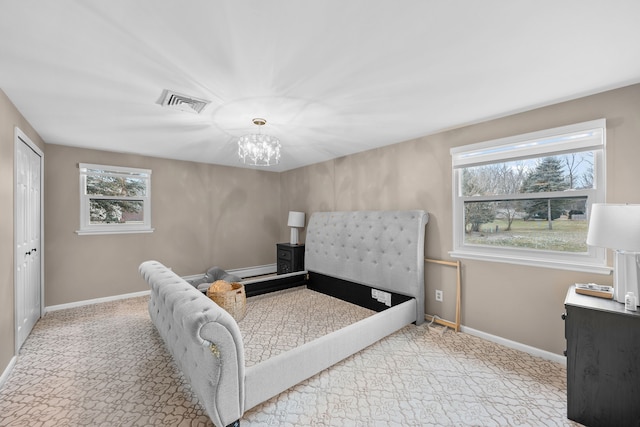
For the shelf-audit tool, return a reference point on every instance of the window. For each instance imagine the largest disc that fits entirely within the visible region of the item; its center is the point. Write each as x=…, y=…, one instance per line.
x=114, y=199
x=526, y=199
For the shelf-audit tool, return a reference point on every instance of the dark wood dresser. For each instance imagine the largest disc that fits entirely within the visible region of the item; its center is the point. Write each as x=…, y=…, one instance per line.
x=603, y=361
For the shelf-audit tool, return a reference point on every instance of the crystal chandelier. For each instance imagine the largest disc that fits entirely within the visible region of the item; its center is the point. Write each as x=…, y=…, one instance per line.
x=257, y=149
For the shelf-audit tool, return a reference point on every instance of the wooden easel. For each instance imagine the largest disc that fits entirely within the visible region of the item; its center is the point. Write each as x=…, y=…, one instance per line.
x=455, y=325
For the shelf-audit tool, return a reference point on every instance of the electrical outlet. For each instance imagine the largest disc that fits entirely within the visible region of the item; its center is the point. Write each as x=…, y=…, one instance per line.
x=438, y=295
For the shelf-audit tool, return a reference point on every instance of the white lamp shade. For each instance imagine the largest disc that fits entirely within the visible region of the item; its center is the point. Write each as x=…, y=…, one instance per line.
x=614, y=226
x=296, y=219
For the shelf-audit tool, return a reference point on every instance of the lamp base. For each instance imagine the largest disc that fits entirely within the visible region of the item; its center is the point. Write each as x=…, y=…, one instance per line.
x=294, y=236
x=626, y=272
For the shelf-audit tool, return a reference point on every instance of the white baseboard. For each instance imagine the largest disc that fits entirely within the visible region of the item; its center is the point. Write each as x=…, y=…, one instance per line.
x=243, y=273
x=95, y=301
x=193, y=276
x=258, y=270
x=7, y=371
x=516, y=345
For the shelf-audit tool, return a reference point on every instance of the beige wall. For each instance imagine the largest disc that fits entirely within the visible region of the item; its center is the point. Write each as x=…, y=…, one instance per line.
x=10, y=117
x=203, y=215
x=518, y=303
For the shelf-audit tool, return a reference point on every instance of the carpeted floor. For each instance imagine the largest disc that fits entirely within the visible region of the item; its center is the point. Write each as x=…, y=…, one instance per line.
x=105, y=365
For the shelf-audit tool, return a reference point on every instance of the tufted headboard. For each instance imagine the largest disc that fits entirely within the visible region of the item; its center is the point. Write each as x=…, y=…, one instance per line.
x=381, y=249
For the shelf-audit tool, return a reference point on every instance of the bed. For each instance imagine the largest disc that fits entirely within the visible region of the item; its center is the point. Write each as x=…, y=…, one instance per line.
x=374, y=259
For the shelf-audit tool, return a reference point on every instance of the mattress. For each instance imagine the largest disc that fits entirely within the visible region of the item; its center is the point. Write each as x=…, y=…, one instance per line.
x=283, y=320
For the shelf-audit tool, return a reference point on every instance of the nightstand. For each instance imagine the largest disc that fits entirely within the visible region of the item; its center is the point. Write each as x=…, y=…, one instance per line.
x=290, y=257
x=603, y=367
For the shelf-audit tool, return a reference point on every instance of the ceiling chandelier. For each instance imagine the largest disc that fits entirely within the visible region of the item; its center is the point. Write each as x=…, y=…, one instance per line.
x=257, y=149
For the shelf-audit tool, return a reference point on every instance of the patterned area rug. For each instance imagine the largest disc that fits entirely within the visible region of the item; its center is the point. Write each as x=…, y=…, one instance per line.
x=105, y=365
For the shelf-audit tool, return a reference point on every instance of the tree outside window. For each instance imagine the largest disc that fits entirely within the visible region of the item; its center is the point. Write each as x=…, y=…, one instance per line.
x=513, y=219
x=526, y=198
x=114, y=199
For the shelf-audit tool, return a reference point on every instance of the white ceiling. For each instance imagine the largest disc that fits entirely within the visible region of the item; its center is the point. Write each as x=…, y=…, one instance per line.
x=332, y=77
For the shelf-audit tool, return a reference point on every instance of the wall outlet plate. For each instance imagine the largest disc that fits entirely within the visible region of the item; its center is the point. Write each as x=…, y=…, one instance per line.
x=439, y=295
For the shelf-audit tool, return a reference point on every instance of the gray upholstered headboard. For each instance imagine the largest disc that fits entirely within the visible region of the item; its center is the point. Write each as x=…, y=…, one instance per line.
x=381, y=249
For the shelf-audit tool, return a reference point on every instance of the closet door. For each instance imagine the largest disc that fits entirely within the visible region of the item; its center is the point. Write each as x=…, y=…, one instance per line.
x=28, y=255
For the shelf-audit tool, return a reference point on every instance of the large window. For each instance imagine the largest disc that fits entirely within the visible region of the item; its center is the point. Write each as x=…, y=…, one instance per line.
x=526, y=199
x=114, y=199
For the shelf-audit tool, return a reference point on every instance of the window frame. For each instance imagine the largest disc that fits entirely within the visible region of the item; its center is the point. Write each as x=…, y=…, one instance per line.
x=545, y=143
x=86, y=228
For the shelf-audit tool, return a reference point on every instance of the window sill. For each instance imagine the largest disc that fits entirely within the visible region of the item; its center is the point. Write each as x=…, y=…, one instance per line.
x=130, y=231
x=534, y=262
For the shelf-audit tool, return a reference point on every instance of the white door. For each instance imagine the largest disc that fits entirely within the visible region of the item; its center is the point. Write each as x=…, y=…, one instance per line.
x=28, y=253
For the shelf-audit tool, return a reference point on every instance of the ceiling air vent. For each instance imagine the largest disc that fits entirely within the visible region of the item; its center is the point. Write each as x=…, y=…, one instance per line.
x=181, y=102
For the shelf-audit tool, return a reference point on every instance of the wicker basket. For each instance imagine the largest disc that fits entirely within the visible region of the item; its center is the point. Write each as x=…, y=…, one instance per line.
x=234, y=301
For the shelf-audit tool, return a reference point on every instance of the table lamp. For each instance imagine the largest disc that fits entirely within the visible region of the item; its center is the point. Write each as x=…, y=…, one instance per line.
x=296, y=220
x=617, y=227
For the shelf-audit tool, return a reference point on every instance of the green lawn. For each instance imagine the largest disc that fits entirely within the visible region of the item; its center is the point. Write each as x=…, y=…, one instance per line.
x=566, y=235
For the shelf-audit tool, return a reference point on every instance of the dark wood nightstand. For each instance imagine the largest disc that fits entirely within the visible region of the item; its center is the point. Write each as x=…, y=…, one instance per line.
x=603, y=361
x=289, y=257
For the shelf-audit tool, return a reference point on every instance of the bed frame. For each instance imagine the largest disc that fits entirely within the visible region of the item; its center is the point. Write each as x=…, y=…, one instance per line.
x=347, y=254
x=377, y=249
x=356, y=256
